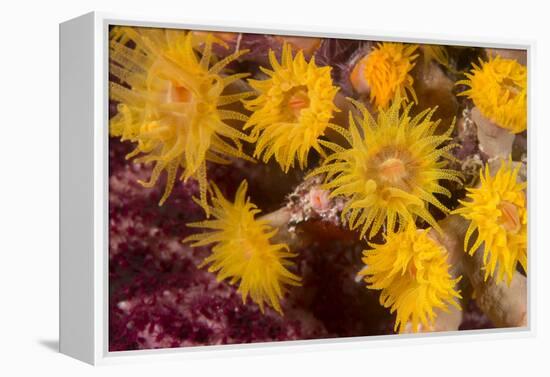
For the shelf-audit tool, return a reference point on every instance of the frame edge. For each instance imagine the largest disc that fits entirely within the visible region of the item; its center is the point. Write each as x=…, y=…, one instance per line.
x=76, y=193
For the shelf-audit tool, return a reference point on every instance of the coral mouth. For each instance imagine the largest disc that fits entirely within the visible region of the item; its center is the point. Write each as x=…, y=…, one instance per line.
x=509, y=218
x=392, y=170
x=510, y=86
x=178, y=94
x=298, y=100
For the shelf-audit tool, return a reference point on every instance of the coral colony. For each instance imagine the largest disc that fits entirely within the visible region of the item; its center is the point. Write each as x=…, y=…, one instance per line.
x=267, y=188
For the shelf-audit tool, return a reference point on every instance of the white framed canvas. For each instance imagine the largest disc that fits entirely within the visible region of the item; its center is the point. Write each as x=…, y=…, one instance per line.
x=241, y=188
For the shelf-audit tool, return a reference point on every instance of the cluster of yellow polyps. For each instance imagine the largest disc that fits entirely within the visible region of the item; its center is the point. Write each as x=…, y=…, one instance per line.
x=176, y=103
x=497, y=208
x=389, y=173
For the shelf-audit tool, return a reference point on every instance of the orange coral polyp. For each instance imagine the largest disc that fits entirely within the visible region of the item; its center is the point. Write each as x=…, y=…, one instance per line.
x=391, y=169
x=243, y=251
x=497, y=210
x=176, y=109
x=498, y=88
x=412, y=272
x=386, y=72
x=293, y=109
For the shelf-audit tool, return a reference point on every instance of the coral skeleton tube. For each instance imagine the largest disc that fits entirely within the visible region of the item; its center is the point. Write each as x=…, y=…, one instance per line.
x=391, y=169
x=243, y=252
x=504, y=304
x=172, y=103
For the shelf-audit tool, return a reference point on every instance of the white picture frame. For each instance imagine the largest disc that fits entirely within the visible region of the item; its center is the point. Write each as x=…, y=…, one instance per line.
x=84, y=191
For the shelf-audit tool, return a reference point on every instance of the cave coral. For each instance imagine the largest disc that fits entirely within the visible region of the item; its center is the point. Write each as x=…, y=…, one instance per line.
x=293, y=109
x=391, y=169
x=386, y=71
x=243, y=251
x=498, y=87
x=378, y=188
x=497, y=209
x=412, y=272
x=172, y=103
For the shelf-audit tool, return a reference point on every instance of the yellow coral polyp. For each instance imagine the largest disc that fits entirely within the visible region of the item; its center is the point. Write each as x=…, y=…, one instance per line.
x=243, y=250
x=293, y=109
x=497, y=210
x=391, y=169
x=175, y=109
x=386, y=70
x=498, y=88
x=412, y=272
